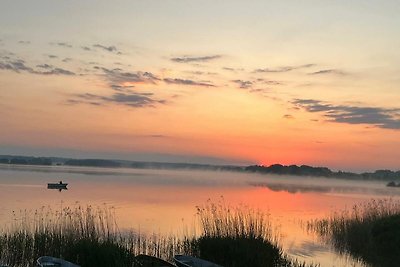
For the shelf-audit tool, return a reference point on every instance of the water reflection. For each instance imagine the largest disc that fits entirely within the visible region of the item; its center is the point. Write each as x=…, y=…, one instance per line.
x=307, y=249
x=164, y=201
x=307, y=188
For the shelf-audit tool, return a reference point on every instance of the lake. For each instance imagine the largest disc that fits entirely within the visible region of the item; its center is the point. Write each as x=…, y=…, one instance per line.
x=164, y=201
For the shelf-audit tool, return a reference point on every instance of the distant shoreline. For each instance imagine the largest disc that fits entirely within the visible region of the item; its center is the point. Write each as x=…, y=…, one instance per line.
x=277, y=169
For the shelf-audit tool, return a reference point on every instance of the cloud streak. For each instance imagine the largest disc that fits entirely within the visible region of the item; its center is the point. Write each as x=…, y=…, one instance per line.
x=287, y=116
x=15, y=65
x=283, y=69
x=187, y=82
x=328, y=71
x=243, y=84
x=63, y=44
x=386, y=118
x=118, y=76
x=249, y=84
x=131, y=99
x=187, y=59
x=111, y=48
x=20, y=66
x=86, y=48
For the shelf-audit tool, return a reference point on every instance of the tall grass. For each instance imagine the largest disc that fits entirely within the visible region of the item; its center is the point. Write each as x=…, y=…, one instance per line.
x=232, y=237
x=86, y=236
x=221, y=220
x=237, y=237
x=370, y=231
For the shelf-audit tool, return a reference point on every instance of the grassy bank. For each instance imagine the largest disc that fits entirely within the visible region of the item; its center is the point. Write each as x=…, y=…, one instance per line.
x=235, y=237
x=369, y=232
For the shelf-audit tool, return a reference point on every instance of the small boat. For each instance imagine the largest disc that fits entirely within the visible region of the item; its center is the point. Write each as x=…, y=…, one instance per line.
x=143, y=260
x=189, y=261
x=47, y=261
x=59, y=185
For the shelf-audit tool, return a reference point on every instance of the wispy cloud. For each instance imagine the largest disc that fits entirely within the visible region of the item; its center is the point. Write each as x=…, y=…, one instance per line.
x=63, y=44
x=269, y=82
x=188, y=59
x=19, y=66
x=86, y=48
x=243, y=83
x=388, y=118
x=329, y=71
x=202, y=72
x=233, y=69
x=122, y=88
x=132, y=99
x=188, y=82
x=57, y=71
x=249, y=84
x=288, y=116
x=111, y=48
x=44, y=66
x=67, y=59
x=283, y=69
x=119, y=76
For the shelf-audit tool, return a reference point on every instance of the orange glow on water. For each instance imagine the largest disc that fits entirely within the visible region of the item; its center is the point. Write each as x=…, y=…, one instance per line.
x=164, y=202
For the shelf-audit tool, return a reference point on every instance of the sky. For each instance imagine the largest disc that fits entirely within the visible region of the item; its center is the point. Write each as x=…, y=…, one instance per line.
x=220, y=82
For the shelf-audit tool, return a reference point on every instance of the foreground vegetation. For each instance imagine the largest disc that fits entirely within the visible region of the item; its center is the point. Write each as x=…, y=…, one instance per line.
x=369, y=232
x=237, y=237
x=89, y=237
x=84, y=236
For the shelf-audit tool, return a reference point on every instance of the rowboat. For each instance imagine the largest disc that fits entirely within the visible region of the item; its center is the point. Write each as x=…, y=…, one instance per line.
x=189, y=261
x=59, y=185
x=47, y=261
x=150, y=261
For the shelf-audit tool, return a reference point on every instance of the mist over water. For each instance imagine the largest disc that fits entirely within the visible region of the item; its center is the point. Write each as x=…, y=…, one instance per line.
x=164, y=201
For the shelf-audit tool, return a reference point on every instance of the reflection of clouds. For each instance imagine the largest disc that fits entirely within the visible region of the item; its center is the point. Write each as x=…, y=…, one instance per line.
x=324, y=188
x=307, y=249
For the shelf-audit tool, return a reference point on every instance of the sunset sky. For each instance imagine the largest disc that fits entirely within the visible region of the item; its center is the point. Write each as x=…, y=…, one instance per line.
x=221, y=82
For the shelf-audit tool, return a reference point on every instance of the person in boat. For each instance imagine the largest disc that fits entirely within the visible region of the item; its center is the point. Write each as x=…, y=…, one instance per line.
x=60, y=182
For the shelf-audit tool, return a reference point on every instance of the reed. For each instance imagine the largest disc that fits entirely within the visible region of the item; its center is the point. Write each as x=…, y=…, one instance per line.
x=89, y=236
x=370, y=231
x=86, y=236
x=237, y=237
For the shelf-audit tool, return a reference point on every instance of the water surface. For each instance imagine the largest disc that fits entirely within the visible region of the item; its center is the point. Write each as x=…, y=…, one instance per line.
x=164, y=201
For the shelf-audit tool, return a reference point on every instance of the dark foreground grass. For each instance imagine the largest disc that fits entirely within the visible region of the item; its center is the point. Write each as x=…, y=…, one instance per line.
x=370, y=232
x=232, y=237
x=237, y=237
x=87, y=237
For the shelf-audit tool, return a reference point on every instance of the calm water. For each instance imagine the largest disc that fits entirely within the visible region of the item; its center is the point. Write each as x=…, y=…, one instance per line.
x=164, y=201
